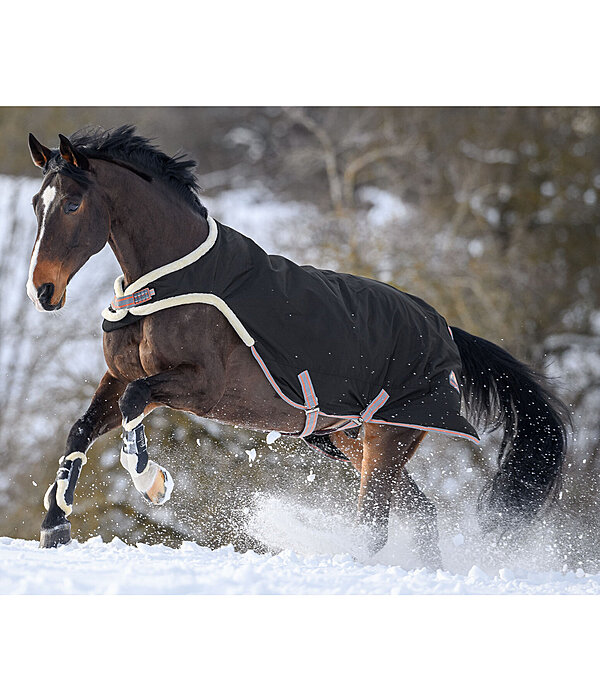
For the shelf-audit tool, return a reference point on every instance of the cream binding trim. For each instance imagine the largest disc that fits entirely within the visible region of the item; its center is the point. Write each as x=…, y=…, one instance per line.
x=199, y=298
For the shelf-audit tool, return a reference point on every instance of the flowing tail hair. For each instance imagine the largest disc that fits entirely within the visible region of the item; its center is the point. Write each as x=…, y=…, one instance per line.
x=500, y=391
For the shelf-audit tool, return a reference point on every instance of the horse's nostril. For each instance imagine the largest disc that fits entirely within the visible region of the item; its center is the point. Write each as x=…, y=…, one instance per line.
x=45, y=292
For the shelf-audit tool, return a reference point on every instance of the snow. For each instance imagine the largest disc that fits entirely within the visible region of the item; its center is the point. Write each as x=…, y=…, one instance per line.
x=311, y=551
x=95, y=567
x=273, y=436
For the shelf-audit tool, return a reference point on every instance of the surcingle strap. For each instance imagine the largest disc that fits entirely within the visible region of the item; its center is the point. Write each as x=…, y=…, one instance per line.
x=311, y=403
x=371, y=409
x=374, y=406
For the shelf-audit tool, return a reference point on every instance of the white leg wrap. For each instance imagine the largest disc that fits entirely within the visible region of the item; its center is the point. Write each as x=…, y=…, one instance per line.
x=143, y=482
x=62, y=484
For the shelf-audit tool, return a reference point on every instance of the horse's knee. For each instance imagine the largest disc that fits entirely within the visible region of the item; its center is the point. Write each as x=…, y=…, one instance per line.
x=134, y=400
x=78, y=439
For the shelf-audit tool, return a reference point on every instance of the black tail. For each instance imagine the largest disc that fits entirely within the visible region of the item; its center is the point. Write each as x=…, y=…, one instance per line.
x=501, y=391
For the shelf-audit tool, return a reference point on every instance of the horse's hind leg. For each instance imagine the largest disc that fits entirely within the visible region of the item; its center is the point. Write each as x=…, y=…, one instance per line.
x=412, y=500
x=386, y=449
x=415, y=502
x=409, y=497
x=102, y=415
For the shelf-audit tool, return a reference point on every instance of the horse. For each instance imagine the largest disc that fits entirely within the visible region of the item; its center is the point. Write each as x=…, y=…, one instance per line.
x=167, y=343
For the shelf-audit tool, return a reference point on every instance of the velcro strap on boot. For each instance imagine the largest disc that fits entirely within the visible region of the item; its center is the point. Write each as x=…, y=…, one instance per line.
x=136, y=448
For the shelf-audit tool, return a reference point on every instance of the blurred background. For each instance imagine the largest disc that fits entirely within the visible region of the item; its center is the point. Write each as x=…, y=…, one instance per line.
x=489, y=214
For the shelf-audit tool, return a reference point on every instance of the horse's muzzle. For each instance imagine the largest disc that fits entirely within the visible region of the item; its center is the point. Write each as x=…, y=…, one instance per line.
x=44, y=294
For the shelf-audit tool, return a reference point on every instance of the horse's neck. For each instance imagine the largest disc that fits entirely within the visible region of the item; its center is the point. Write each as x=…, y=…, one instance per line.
x=150, y=225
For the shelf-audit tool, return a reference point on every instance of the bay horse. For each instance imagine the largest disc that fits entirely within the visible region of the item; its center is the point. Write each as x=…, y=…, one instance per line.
x=198, y=354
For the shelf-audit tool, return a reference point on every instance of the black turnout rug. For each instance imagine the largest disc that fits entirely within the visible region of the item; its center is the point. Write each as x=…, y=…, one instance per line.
x=353, y=336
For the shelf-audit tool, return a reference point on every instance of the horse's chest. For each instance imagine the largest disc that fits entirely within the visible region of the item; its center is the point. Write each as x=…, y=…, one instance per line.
x=130, y=355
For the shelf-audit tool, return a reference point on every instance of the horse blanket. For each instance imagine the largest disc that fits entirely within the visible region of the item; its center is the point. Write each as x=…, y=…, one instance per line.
x=329, y=343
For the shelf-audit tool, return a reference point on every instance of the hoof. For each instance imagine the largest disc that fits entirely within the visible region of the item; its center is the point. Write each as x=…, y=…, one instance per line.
x=55, y=536
x=161, y=489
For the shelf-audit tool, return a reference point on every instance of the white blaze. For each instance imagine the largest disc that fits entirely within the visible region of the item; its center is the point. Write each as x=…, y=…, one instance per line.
x=47, y=197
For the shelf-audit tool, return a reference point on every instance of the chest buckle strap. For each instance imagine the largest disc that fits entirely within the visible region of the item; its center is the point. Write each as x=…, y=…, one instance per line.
x=135, y=299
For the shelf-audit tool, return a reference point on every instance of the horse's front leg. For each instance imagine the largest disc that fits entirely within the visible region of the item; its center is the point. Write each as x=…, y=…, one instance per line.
x=102, y=415
x=185, y=388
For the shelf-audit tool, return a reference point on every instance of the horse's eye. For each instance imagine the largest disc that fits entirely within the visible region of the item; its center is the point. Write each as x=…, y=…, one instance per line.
x=70, y=207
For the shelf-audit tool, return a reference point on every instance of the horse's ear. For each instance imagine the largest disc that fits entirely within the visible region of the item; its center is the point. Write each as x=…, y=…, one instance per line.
x=39, y=153
x=71, y=155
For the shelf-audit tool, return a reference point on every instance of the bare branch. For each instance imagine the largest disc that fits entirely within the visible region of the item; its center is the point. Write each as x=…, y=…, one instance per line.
x=329, y=153
x=360, y=162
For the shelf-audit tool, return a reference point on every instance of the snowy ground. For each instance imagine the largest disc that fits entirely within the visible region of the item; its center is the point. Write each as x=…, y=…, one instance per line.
x=99, y=568
x=319, y=552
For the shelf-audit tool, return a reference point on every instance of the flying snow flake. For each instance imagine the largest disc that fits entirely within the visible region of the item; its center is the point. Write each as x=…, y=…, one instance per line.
x=311, y=477
x=272, y=436
x=33, y=482
x=589, y=197
x=251, y=455
x=458, y=540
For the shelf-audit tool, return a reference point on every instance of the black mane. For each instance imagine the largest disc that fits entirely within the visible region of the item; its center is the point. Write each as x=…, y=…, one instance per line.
x=123, y=145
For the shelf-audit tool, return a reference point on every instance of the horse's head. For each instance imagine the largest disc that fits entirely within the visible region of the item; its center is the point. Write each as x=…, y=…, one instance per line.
x=73, y=221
